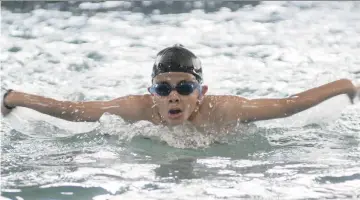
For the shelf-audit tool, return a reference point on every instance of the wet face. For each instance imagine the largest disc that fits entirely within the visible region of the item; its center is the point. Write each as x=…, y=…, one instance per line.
x=176, y=108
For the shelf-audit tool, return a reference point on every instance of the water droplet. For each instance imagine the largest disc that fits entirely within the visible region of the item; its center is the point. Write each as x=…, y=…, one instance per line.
x=290, y=101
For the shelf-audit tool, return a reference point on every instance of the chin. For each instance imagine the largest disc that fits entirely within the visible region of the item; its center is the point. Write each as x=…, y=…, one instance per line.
x=175, y=122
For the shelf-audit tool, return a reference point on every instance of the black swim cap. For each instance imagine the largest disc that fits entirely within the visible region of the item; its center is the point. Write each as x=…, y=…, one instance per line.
x=177, y=59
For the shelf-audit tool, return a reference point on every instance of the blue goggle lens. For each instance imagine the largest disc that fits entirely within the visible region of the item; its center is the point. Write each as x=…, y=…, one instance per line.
x=164, y=89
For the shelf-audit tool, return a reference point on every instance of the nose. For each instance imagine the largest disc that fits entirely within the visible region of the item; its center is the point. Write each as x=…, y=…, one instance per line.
x=174, y=97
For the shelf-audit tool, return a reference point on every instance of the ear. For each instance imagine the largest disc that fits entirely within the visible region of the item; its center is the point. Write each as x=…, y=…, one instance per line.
x=150, y=91
x=203, y=90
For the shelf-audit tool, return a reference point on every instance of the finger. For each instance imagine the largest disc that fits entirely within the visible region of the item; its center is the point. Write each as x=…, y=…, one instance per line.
x=357, y=90
x=356, y=97
x=352, y=96
x=4, y=110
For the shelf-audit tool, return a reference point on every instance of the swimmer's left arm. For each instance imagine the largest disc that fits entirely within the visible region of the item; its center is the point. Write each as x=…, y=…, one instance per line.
x=237, y=108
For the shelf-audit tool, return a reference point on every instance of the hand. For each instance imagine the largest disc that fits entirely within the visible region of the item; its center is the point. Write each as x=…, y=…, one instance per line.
x=355, y=94
x=5, y=109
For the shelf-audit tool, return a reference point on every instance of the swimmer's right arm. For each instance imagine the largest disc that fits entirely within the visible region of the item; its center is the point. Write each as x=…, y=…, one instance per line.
x=130, y=108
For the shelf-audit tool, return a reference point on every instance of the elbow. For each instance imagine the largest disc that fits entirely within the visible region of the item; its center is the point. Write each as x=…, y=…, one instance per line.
x=84, y=113
x=88, y=119
x=293, y=105
x=83, y=117
x=288, y=113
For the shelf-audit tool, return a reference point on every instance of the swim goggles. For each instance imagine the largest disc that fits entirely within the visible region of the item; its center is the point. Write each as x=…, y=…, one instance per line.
x=183, y=88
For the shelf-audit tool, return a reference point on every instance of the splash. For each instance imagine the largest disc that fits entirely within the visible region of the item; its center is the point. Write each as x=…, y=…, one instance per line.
x=181, y=136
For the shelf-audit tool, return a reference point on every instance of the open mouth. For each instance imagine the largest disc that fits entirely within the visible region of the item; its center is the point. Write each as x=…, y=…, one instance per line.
x=175, y=113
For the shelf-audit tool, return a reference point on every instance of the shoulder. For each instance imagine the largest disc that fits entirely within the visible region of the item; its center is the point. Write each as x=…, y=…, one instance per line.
x=223, y=101
x=218, y=105
x=137, y=107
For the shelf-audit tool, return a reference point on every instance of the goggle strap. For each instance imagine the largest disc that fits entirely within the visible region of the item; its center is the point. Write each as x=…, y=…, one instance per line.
x=200, y=92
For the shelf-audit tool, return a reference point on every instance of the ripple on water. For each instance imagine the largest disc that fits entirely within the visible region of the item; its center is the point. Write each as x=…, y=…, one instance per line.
x=104, y=50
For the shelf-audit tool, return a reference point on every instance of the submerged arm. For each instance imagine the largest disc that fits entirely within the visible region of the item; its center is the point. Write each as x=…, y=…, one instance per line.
x=237, y=108
x=128, y=107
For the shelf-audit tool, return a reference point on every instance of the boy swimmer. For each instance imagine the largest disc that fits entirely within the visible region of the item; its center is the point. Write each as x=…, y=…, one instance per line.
x=178, y=96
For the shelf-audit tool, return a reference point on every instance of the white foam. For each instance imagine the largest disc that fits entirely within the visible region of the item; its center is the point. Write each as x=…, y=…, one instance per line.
x=272, y=50
x=21, y=119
